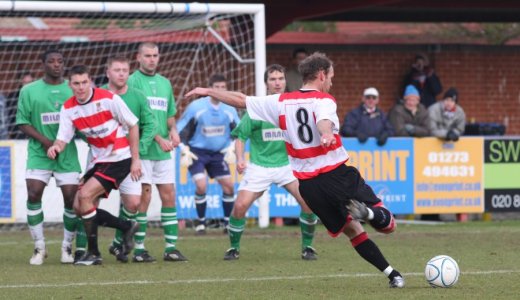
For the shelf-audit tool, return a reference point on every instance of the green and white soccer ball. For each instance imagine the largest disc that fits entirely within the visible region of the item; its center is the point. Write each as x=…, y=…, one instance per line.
x=442, y=271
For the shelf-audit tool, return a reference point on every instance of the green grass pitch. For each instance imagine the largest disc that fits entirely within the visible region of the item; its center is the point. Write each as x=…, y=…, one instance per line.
x=270, y=266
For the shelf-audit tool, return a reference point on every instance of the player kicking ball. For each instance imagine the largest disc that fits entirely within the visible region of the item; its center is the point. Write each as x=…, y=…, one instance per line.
x=308, y=117
x=269, y=165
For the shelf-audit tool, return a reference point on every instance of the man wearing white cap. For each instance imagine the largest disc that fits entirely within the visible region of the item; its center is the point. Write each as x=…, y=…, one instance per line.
x=367, y=120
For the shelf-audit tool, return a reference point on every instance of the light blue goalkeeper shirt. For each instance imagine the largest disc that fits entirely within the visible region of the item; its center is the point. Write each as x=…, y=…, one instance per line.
x=207, y=126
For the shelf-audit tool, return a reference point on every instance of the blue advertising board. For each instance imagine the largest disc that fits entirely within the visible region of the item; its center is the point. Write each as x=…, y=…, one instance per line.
x=388, y=170
x=6, y=183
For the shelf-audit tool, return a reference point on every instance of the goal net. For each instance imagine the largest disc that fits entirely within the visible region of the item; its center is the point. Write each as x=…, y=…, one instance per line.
x=195, y=41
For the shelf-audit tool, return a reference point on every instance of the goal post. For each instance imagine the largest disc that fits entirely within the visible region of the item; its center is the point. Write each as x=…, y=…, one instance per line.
x=195, y=41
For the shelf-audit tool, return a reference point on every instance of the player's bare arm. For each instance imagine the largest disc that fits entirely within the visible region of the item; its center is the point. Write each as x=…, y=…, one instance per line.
x=56, y=148
x=30, y=131
x=175, y=139
x=325, y=127
x=239, y=151
x=235, y=99
x=133, y=139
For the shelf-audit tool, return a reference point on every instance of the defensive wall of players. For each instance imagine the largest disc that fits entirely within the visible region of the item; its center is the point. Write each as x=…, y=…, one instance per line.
x=412, y=176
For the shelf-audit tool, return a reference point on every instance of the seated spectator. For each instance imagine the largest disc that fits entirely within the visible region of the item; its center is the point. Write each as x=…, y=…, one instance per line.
x=367, y=120
x=423, y=77
x=447, y=118
x=409, y=117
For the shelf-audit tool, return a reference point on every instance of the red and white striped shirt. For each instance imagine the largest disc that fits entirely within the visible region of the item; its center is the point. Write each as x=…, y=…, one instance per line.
x=297, y=114
x=101, y=120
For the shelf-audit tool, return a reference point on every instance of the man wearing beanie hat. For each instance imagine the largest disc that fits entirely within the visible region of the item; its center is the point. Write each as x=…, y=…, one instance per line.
x=409, y=117
x=367, y=120
x=447, y=118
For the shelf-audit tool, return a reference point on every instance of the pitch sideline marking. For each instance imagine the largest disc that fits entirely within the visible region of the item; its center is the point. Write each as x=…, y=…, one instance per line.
x=212, y=280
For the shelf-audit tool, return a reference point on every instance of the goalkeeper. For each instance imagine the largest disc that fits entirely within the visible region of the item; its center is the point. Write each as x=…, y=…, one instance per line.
x=269, y=164
x=205, y=129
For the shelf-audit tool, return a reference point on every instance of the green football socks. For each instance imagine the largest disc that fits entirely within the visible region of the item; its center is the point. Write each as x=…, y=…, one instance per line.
x=35, y=221
x=307, y=226
x=123, y=215
x=235, y=230
x=141, y=233
x=170, y=227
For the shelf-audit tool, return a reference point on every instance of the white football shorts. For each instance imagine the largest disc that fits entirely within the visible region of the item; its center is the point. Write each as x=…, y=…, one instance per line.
x=158, y=171
x=45, y=175
x=259, y=179
x=130, y=187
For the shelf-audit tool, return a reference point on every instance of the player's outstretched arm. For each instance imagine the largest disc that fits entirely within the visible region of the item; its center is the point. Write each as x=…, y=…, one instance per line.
x=235, y=99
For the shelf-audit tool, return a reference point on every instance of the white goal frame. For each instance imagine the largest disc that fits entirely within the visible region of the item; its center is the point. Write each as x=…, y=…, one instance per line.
x=207, y=10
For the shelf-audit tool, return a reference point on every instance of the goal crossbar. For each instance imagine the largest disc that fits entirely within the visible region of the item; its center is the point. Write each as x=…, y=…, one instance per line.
x=168, y=9
x=131, y=7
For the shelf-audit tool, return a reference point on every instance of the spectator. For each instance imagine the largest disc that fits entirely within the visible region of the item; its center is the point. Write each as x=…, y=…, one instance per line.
x=367, y=120
x=12, y=104
x=423, y=77
x=293, y=77
x=409, y=117
x=447, y=118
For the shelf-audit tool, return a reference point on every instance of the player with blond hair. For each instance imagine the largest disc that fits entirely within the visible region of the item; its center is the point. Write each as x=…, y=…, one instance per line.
x=118, y=71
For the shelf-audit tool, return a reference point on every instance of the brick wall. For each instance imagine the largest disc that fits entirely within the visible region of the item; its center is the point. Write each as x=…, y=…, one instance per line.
x=487, y=77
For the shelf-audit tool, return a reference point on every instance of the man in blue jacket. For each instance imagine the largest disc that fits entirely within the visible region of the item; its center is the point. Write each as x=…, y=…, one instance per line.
x=367, y=120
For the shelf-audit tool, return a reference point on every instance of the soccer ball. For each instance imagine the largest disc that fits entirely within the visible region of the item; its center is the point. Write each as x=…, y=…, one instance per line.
x=442, y=271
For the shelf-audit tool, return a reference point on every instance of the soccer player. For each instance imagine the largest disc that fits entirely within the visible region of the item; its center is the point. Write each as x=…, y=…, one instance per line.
x=100, y=116
x=205, y=129
x=118, y=71
x=38, y=117
x=269, y=164
x=158, y=162
x=310, y=123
